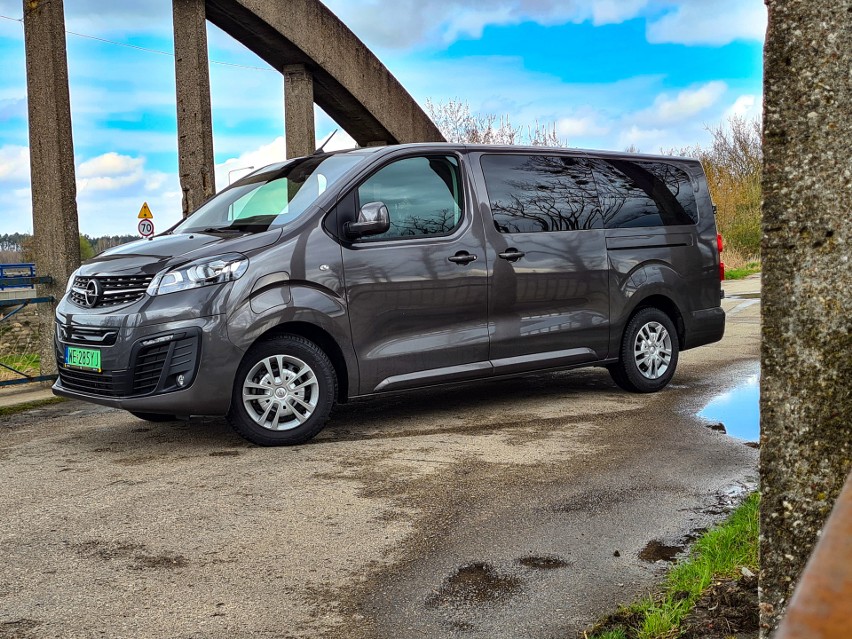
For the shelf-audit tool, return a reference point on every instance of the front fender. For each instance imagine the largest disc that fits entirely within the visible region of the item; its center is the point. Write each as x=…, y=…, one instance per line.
x=301, y=302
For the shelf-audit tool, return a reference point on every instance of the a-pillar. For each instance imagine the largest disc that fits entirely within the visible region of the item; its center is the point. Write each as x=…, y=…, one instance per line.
x=54, y=192
x=194, y=118
x=299, y=110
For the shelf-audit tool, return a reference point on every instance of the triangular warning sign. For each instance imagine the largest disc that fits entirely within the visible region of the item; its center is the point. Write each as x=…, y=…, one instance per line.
x=145, y=212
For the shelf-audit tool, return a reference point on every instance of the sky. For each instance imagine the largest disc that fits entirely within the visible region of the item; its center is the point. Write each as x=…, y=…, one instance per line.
x=611, y=74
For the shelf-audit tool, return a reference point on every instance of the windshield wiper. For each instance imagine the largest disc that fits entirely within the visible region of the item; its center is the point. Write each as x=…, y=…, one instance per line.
x=221, y=229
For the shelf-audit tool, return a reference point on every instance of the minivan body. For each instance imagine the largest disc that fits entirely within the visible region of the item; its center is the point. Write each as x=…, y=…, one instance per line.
x=382, y=269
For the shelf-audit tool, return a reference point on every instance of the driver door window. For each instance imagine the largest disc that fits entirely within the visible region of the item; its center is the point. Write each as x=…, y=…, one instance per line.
x=423, y=196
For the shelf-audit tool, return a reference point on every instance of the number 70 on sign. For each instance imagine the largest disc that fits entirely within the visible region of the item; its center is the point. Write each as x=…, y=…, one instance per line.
x=146, y=228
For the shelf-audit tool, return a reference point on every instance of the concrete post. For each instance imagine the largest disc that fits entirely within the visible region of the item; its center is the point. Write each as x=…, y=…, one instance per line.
x=806, y=394
x=299, y=110
x=194, y=118
x=54, y=191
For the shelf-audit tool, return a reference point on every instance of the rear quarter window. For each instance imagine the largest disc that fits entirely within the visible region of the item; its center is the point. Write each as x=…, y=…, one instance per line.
x=644, y=193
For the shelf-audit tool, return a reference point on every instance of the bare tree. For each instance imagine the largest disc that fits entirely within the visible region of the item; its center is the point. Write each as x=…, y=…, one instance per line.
x=459, y=125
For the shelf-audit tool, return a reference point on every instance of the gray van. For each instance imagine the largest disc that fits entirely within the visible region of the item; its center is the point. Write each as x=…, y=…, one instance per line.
x=377, y=270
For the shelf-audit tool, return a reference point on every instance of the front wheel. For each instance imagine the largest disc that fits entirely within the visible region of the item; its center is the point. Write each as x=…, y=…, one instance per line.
x=649, y=353
x=283, y=392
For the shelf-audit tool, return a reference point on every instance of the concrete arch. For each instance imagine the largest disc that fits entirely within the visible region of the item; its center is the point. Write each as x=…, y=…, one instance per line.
x=349, y=81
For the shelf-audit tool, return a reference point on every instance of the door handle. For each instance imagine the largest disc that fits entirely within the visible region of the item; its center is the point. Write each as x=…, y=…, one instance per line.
x=512, y=255
x=462, y=257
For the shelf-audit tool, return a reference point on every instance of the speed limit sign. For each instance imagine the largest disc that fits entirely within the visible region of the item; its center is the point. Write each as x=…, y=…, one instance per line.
x=146, y=228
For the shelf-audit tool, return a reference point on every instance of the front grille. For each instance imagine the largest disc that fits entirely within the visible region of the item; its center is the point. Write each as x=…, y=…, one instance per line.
x=87, y=335
x=116, y=289
x=89, y=382
x=149, y=367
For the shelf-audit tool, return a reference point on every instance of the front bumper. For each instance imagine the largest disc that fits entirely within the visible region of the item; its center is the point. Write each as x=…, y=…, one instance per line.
x=183, y=367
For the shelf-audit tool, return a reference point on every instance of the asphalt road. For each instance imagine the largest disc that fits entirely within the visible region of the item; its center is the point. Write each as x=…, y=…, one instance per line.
x=516, y=508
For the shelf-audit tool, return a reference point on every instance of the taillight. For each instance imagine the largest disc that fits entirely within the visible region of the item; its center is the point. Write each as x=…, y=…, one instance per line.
x=721, y=271
x=719, y=243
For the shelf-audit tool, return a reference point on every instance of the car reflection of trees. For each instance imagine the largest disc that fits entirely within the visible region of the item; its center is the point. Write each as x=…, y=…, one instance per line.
x=557, y=194
x=650, y=191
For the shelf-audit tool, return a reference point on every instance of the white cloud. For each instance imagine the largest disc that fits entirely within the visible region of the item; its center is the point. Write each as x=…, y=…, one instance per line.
x=14, y=163
x=687, y=103
x=748, y=107
x=109, y=172
x=580, y=127
x=109, y=164
x=713, y=23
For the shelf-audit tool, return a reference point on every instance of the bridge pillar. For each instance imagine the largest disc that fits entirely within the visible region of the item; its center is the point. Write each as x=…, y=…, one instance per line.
x=194, y=118
x=806, y=360
x=54, y=191
x=299, y=110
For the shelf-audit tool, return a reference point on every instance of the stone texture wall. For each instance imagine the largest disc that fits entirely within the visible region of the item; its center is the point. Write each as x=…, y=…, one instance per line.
x=806, y=387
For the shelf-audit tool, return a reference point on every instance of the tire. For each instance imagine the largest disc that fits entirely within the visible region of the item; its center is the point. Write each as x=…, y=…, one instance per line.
x=295, y=385
x=154, y=417
x=649, y=353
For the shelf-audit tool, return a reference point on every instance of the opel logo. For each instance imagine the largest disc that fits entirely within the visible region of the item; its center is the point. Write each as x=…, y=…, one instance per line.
x=92, y=293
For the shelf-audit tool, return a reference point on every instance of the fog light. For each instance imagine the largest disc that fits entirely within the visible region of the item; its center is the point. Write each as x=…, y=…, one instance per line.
x=181, y=380
x=157, y=340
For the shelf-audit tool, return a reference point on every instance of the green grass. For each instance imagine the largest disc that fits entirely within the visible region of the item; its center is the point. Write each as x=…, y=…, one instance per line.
x=739, y=273
x=5, y=411
x=720, y=553
x=29, y=364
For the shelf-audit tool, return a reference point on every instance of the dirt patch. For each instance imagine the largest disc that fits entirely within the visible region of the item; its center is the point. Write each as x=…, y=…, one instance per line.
x=542, y=563
x=136, y=555
x=657, y=550
x=729, y=608
x=474, y=584
x=18, y=629
x=224, y=453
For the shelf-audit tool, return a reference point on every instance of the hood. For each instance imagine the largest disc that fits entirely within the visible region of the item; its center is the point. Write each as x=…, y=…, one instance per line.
x=152, y=256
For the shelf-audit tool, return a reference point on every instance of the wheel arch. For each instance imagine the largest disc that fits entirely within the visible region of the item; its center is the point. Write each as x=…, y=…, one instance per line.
x=668, y=306
x=325, y=341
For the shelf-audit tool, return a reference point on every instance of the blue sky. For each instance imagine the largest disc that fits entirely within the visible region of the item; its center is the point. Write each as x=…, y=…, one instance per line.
x=609, y=73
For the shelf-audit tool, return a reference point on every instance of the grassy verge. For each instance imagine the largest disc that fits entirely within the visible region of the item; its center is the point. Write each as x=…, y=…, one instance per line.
x=744, y=271
x=720, y=553
x=28, y=363
x=5, y=411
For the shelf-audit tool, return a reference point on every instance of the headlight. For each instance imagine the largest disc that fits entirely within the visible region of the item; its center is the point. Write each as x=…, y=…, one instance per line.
x=204, y=272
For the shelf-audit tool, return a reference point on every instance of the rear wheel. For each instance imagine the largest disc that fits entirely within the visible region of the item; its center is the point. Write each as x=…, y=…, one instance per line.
x=649, y=353
x=154, y=417
x=283, y=392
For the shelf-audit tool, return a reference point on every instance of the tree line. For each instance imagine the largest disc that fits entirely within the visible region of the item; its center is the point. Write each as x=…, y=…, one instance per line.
x=18, y=247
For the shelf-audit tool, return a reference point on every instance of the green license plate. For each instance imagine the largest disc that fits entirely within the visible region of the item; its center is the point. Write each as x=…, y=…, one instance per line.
x=88, y=359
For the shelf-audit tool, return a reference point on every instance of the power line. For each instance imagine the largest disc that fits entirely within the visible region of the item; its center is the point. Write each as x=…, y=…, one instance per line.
x=146, y=49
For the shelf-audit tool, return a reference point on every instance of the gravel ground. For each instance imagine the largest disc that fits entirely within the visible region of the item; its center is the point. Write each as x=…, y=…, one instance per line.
x=515, y=508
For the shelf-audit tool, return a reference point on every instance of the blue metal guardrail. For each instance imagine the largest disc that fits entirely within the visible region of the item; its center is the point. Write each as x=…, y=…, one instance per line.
x=19, y=278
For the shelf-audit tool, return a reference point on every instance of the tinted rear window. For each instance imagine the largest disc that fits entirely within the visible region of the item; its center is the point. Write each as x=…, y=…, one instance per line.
x=535, y=193
x=634, y=194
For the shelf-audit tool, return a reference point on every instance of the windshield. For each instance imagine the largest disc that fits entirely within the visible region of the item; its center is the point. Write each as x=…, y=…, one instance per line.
x=268, y=199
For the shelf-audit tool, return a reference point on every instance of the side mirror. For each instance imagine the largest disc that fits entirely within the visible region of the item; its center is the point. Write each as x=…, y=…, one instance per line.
x=373, y=219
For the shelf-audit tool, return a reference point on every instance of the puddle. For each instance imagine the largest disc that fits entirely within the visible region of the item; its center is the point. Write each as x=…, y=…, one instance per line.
x=657, y=550
x=474, y=583
x=738, y=410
